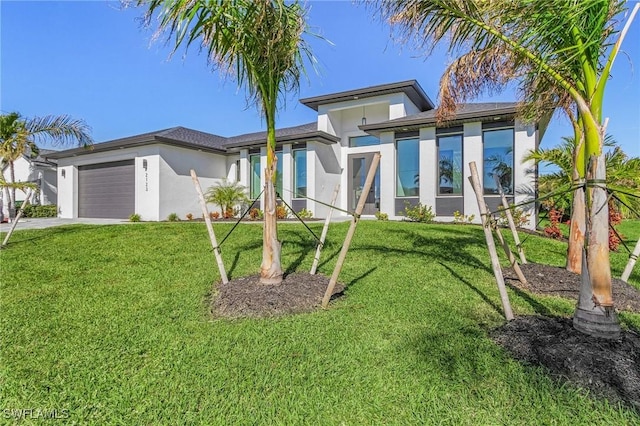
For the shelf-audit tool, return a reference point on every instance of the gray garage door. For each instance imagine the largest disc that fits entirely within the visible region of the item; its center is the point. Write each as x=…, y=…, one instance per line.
x=107, y=190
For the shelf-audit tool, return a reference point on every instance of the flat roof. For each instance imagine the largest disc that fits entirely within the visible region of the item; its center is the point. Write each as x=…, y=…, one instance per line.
x=411, y=88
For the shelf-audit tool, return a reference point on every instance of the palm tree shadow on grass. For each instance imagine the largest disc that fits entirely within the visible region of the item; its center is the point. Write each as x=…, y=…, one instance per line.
x=484, y=297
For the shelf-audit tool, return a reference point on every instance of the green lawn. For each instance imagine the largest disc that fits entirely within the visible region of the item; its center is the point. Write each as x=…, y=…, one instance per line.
x=111, y=324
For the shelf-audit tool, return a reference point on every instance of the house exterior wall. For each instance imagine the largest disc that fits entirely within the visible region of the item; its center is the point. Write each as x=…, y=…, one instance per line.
x=176, y=191
x=163, y=183
x=27, y=171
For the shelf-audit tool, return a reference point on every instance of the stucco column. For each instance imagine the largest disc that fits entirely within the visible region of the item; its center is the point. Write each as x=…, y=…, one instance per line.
x=428, y=167
x=472, y=149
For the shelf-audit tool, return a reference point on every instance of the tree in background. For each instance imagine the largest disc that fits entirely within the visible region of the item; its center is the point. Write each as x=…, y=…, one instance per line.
x=260, y=43
x=20, y=136
x=560, y=52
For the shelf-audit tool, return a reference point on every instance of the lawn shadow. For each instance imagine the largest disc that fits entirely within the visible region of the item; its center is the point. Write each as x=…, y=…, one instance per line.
x=483, y=296
x=361, y=277
x=538, y=307
x=48, y=233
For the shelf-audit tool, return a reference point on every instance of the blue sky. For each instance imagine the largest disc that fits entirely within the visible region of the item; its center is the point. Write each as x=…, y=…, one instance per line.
x=94, y=61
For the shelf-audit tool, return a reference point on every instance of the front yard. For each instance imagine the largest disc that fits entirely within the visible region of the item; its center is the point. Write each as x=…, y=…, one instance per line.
x=111, y=325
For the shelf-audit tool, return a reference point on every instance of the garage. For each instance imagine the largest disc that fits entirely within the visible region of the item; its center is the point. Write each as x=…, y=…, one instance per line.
x=107, y=190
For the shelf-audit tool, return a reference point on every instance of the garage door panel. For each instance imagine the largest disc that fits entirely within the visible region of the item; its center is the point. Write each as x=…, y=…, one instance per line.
x=107, y=190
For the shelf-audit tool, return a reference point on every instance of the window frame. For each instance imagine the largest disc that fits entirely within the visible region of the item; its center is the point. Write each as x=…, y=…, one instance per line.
x=417, y=140
x=440, y=135
x=295, y=174
x=513, y=176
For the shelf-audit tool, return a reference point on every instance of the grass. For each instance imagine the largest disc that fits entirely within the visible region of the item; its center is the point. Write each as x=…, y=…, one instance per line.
x=111, y=324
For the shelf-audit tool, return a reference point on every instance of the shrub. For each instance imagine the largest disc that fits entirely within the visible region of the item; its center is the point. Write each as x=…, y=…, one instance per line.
x=520, y=218
x=305, y=214
x=214, y=215
x=50, y=210
x=229, y=213
x=134, y=218
x=418, y=213
x=173, y=217
x=281, y=212
x=382, y=216
x=462, y=219
x=553, y=230
x=614, y=220
x=189, y=216
x=255, y=214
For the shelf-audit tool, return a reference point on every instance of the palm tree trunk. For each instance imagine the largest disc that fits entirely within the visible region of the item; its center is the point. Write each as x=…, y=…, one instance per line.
x=270, y=270
x=595, y=314
x=12, y=199
x=576, y=232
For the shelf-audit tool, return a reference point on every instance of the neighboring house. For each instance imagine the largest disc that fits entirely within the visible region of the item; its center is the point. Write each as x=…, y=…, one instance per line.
x=40, y=170
x=422, y=162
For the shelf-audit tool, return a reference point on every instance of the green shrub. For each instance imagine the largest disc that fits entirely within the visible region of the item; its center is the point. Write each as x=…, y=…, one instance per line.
x=461, y=218
x=382, y=216
x=50, y=210
x=305, y=214
x=173, y=217
x=418, y=213
x=134, y=218
x=520, y=218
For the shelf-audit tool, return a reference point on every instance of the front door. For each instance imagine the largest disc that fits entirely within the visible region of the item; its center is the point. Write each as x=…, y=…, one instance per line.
x=359, y=165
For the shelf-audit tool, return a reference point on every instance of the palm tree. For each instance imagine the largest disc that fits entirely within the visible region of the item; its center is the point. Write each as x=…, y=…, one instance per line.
x=19, y=136
x=260, y=43
x=561, y=53
x=227, y=195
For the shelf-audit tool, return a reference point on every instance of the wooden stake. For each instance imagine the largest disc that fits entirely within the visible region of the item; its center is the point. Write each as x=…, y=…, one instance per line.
x=495, y=263
x=352, y=229
x=207, y=220
x=325, y=229
x=510, y=256
x=18, y=216
x=632, y=261
x=512, y=224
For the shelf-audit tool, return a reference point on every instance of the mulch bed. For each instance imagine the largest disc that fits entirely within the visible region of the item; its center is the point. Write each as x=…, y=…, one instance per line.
x=605, y=368
x=246, y=297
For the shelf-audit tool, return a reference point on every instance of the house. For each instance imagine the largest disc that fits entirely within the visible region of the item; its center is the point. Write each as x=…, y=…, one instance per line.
x=40, y=170
x=422, y=161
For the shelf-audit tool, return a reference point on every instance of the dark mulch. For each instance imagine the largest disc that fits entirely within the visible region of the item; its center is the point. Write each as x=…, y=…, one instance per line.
x=246, y=297
x=605, y=368
x=553, y=281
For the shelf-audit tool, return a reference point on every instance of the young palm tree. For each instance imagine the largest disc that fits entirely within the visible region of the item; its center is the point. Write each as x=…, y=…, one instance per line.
x=19, y=136
x=227, y=195
x=260, y=43
x=561, y=52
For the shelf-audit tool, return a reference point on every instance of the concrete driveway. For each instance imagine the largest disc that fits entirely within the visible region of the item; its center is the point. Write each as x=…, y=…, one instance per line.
x=40, y=223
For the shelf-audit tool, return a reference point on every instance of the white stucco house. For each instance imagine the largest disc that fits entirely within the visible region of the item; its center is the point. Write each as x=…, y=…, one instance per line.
x=40, y=170
x=422, y=161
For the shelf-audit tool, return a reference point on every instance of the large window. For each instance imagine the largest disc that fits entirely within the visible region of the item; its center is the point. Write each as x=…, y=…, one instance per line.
x=367, y=140
x=299, y=173
x=407, y=168
x=498, y=160
x=256, y=172
x=450, y=165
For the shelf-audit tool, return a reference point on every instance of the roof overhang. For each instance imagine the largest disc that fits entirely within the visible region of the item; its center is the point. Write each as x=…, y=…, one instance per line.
x=134, y=141
x=411, y=88
x=316, y=136
x=409, y=123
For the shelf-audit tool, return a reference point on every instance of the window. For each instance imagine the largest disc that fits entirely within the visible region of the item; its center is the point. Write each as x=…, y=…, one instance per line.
x=299, y=173
x=367, y=140
x=238, y=175
x=278, y=181
x=256, y=173
x=407, y=168
x=498, y=160
x=450, y=165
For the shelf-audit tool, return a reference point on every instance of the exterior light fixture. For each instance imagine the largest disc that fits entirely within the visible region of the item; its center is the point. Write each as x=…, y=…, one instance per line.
x=63, y=173
x=364, y=115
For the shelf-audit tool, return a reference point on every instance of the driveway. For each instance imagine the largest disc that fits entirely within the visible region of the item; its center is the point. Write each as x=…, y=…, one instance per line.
x=40, y=223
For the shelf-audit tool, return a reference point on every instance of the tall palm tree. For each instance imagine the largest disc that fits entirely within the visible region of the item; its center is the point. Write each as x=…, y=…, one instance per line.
x=260, y=43
x=20, y=136
x=561, y=53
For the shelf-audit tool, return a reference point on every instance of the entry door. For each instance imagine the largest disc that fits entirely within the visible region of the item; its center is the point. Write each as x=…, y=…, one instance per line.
x=359, y=165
